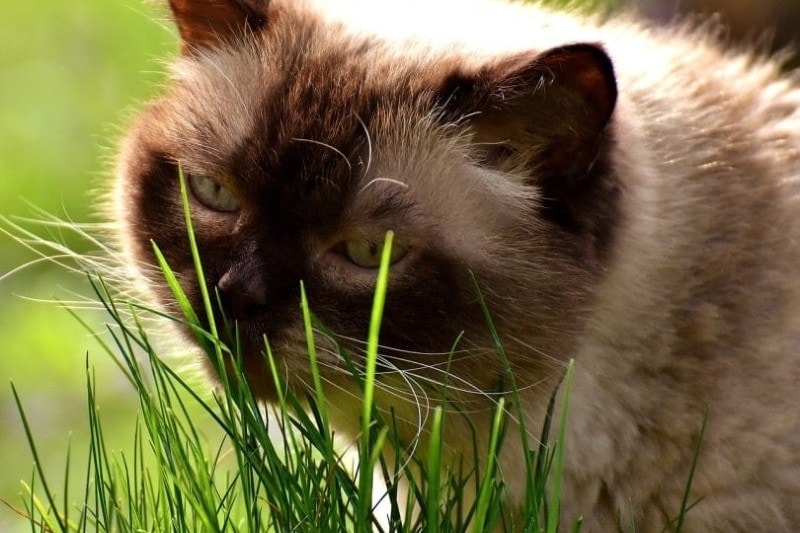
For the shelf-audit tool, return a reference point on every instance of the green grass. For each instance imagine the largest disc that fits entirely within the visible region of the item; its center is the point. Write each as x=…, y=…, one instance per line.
x=178, y=479
x=200, y=462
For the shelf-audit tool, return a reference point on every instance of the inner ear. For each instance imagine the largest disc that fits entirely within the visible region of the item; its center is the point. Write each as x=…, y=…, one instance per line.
x=549, y=111
x=205, y=23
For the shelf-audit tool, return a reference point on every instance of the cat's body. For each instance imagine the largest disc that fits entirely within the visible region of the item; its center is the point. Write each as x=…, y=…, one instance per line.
x=640, y=214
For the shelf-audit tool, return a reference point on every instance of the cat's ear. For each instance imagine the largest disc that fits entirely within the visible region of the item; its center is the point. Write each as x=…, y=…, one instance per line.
x=546, y=110
x=205, y=23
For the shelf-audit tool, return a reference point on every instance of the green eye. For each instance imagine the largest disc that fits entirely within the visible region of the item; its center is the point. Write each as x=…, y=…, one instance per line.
x=367, y=254
x=213, y=195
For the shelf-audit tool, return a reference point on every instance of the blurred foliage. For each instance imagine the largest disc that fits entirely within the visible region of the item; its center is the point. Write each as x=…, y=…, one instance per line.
x=68, y=72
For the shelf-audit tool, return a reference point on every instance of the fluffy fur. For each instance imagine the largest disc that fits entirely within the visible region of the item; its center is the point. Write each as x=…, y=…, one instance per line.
x=625, y=197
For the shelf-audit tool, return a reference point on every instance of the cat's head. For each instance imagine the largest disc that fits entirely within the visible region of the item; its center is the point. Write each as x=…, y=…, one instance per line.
x=303, y=144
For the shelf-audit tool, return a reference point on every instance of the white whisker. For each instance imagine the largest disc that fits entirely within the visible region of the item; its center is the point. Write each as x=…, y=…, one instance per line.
x=369, y=143
x=328, y=146
x=386, y=180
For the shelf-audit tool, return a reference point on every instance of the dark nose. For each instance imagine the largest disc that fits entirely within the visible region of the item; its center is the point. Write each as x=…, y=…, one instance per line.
x=243, y=292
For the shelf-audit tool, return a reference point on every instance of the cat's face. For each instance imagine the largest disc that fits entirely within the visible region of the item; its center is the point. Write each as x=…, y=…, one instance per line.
x=302, y=146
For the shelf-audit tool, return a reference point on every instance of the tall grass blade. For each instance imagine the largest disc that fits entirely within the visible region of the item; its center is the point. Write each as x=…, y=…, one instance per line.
x=488, y=492
x=363, y=518
x=685, y=507
x=312, y=354
x=198, y=265
x=432, y=504
x=554, y=501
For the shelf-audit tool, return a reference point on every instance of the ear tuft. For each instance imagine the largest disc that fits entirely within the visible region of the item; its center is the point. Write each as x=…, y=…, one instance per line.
x=205, y=23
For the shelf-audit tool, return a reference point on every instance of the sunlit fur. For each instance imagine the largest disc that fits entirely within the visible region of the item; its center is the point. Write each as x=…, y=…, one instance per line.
x=658, y=248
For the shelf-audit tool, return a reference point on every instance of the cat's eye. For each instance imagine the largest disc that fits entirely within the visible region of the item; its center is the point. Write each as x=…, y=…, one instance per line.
x=213, y=195
x=367, y=254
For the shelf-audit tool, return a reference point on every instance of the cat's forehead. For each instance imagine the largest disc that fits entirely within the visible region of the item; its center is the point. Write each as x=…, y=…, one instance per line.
x=296, y=95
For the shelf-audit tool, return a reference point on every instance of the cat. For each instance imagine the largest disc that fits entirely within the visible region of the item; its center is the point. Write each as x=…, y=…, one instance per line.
x=622, y=196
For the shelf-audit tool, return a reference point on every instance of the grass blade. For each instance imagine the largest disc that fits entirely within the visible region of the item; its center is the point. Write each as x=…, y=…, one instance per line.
x=363, y=520
x=554, y=501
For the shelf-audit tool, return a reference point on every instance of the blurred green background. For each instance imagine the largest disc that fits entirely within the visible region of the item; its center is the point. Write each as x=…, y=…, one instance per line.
x=70, y=74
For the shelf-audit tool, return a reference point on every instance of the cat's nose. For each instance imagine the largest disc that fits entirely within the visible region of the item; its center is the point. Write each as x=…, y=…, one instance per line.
x=243, y=293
